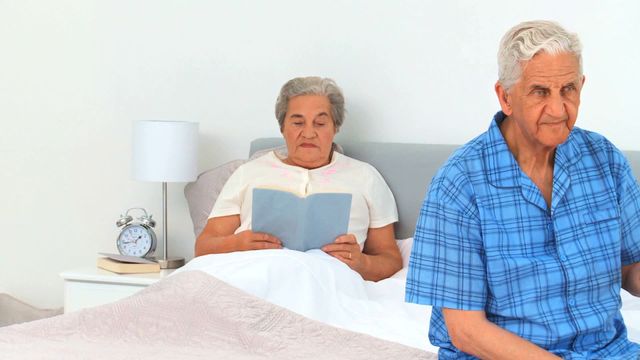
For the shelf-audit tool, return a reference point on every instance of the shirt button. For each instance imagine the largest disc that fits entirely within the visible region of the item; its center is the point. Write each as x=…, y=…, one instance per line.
x=572, y=301
x=550, y=226
x=563, y=258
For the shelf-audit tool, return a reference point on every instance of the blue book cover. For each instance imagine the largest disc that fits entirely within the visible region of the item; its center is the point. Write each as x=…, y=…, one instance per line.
x=301, y=223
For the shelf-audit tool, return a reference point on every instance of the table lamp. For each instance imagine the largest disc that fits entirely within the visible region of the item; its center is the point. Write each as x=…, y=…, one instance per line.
x=165, y=151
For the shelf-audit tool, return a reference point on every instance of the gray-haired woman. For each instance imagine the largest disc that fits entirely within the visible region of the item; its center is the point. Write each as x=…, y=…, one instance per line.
x=310, y=111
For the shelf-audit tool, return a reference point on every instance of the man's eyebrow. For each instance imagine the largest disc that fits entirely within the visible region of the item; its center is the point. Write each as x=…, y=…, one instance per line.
x=538, y=87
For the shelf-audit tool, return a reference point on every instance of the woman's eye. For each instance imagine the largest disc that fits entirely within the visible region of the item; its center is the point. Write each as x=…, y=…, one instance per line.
x=297, y=123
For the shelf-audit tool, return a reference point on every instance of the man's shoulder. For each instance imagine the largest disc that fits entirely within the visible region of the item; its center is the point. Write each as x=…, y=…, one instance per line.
x=591, y=144
x=465, y=158
x=589, y=139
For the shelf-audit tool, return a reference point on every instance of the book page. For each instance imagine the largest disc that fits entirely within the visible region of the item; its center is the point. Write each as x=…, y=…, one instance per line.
x=301, y=223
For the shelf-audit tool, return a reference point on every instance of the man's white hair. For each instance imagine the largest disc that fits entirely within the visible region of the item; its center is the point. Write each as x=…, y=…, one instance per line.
x=522, y=42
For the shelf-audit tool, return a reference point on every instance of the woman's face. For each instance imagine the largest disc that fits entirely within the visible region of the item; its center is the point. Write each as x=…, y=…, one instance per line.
x=308, y=130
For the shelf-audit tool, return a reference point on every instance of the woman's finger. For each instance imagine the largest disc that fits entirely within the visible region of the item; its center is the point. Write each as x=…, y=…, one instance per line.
x=266, y=238
x=346, y=239
x=340, y=247
x=343, y=257
x=258, y=245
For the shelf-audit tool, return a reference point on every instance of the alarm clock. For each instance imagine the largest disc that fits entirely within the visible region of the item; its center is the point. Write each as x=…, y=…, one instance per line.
x=136, y=237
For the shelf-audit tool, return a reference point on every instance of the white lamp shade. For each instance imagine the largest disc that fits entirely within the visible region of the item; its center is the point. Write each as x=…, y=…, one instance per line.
x=165, y=151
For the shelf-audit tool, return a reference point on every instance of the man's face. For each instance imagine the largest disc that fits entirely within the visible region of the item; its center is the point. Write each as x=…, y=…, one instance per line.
x=544, y=103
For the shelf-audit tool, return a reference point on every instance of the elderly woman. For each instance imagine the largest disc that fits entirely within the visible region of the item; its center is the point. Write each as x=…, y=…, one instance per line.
x=529, y=231
x=310, y=111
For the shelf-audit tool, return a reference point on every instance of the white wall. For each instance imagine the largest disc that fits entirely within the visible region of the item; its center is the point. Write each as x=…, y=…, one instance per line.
x=75, y=74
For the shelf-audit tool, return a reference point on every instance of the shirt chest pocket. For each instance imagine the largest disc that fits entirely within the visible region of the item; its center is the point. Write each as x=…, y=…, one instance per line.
x=599, y=227
x=596, y=222
x=600, y=215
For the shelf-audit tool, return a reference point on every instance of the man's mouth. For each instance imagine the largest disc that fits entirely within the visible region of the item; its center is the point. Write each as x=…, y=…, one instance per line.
x=555, y=123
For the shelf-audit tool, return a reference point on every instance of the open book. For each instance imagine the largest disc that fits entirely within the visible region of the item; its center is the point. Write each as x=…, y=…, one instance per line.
x=301, y=223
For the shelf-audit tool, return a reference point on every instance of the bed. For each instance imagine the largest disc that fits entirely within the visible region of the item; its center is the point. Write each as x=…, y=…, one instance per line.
x=266, y=304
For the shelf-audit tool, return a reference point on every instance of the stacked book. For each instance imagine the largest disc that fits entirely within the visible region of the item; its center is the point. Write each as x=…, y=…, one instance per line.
x=123, y=264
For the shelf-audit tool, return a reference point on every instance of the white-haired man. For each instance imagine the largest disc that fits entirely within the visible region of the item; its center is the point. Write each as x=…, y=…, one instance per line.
x=529, y=231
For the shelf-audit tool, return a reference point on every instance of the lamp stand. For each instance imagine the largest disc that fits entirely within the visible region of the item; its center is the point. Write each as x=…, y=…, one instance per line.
x=167, y=262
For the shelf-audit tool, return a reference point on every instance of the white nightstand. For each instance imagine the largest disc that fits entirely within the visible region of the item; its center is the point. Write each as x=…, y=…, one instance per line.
x=91, y=286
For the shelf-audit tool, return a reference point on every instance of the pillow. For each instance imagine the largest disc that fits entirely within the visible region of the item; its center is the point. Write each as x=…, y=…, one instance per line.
x=405, y=246
x=202, y=194
x=405, y=251
x=281, y=151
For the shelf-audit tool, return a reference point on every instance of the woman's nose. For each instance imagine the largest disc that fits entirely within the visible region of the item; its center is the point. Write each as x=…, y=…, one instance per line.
x=308, y=132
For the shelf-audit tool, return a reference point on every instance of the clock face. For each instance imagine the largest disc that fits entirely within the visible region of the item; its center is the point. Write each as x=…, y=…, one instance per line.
x=136, y=240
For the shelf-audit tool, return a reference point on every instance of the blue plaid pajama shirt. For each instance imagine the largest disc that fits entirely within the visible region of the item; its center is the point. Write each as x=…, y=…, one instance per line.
x=486, y=240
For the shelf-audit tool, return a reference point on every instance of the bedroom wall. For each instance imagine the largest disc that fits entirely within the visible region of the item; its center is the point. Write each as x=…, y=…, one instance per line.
x=75, y=74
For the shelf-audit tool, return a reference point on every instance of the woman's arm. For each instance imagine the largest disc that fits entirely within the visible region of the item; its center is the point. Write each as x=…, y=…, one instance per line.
x=472, y=333
x=218, y=237
x=631, y=278
x=379, y=259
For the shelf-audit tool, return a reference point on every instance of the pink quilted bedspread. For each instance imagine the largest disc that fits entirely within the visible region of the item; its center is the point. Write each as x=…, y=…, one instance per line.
x=192, y=315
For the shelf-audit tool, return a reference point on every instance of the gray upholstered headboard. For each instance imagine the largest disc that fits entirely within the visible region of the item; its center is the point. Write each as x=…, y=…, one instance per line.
x=407, y=169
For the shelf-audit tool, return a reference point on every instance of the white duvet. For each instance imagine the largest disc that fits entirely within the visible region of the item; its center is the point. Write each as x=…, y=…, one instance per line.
x=631, y=315
x=322, y=288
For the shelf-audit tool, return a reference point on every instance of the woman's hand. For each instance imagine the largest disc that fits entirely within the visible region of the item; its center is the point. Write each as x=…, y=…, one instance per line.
x=249, y=240
x=346, y=249
x=379, y=259
x=219, y=236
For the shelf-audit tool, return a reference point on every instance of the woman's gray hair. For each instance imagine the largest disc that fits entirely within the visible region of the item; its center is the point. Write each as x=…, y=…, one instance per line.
x=311, y=85
x=522, y=42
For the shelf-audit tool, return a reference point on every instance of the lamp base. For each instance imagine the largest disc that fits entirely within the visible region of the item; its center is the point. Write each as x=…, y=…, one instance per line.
x=171, y=263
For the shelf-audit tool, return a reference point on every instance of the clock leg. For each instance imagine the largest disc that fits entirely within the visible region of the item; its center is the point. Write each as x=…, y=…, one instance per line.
x=171, y=263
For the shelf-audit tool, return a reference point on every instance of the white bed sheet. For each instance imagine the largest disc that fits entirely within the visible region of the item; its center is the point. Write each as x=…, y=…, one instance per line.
x=322, y=288
x=631, y=315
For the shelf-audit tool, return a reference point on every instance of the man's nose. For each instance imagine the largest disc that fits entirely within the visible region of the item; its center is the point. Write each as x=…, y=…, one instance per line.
x=556, y=106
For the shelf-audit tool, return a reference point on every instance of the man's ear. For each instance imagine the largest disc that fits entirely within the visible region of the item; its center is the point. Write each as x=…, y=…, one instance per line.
x=503, y=98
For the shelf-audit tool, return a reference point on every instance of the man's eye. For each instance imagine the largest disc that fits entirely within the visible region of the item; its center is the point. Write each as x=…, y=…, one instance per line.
x=539, y=92
x=568, y=88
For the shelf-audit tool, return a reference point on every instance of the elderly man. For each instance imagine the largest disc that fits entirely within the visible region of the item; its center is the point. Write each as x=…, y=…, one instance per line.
x=529, y=231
